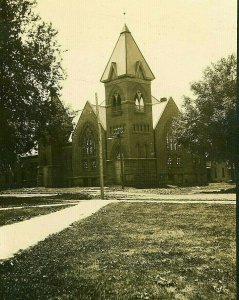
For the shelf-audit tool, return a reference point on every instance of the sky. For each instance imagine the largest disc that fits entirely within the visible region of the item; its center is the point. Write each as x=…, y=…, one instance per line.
x=178, y=38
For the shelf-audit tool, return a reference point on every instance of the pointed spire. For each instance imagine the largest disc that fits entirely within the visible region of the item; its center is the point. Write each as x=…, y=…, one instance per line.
x=125, y=29
x=127, y=59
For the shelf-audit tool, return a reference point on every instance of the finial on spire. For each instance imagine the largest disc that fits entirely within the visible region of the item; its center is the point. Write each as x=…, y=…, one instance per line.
x=124, y=13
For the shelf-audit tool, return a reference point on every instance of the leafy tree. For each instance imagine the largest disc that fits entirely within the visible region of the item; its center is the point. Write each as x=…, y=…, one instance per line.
x=59, y=125
x=30, y=62
x=207, y=124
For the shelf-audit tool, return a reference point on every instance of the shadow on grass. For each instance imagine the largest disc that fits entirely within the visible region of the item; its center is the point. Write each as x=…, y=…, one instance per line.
x=8, y=217
x=28, y=201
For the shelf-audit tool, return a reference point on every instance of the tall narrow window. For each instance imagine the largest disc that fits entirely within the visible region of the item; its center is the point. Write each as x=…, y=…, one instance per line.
x=167, y=141
x=88, y=148
x=170, y=142
x=139, y=101
x=116, y=102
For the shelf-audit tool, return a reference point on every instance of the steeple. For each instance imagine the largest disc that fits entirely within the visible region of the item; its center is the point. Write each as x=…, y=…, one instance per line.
x=125, y=29
x=126, y=60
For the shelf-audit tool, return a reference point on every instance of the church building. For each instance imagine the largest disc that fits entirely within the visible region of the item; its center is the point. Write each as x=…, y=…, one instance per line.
x=138, y=144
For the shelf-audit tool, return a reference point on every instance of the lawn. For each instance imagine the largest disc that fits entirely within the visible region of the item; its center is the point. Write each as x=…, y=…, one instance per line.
x=16, y=215
x=131, y=251
x=8, y=201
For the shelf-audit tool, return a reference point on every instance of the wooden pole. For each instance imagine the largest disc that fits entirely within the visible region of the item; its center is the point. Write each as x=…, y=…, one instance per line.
x=121, y=163
x=100, y=150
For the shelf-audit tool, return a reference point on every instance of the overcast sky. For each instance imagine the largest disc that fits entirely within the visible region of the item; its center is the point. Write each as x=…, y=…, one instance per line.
x=178, y=39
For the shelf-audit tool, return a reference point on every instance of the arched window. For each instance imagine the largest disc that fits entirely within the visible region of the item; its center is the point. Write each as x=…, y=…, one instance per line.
x=171, y=143
x=116, y=102
x=88, y=142
x=139, y=101
x=88, y=149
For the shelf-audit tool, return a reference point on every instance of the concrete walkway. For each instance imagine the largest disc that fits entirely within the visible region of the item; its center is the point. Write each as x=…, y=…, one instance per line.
x=189, y=197
x=231, y=202
x=20, y=236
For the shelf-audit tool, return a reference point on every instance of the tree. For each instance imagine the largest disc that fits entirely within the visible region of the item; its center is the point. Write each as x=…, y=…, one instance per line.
x=207, y=124
x=30, y=62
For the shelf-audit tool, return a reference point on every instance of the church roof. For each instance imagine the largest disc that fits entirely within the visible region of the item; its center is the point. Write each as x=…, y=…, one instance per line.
x=126, y=59
x=102, y=116
x=158, y=107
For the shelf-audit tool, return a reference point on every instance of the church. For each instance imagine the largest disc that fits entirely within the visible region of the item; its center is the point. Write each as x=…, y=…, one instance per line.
x=138, y=145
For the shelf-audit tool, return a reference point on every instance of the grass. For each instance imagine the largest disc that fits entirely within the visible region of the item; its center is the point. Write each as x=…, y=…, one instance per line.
x=16, y=215
x=131, y=251
x=28, y=201
x=210, y=188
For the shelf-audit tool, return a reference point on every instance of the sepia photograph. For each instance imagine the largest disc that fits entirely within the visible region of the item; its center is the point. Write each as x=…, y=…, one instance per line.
x=119, y=157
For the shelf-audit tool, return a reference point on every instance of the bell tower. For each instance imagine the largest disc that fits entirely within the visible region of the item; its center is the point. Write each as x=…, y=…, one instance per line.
x=127, y=79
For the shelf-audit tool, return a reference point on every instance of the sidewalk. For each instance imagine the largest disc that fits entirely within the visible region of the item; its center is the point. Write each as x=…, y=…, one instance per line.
x=192, y=197
x=27, y=233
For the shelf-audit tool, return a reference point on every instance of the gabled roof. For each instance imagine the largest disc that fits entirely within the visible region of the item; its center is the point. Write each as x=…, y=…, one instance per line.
x=76, y=118
x=158, y=107
x=126, y=59
x=102, y=116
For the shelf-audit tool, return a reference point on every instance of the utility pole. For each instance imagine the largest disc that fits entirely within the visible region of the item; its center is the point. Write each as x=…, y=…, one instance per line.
x=118, y=134
x=121, y=164
x=100, y=150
